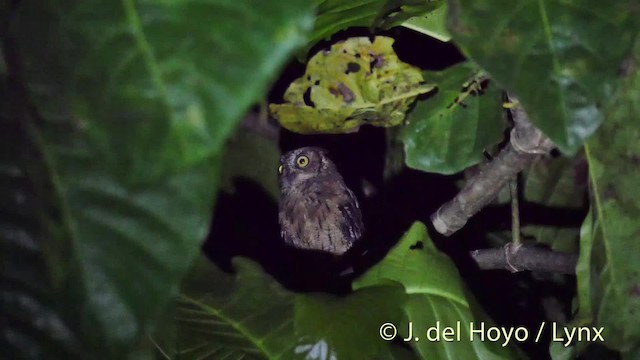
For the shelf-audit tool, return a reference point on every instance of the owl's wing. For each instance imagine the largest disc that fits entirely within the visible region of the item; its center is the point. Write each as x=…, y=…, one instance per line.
x=286, y=236
x=286, y=219
x=352, y=226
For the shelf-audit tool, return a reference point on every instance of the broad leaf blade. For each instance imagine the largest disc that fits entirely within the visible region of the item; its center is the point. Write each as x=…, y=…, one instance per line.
x=435, y=296
x=31, y=326
x=337, y=325
x=432, y=24
x=235, y=317
x=557, y=56
x=611, y=244
x=181, y=67
x=448, y=131
x=398, y=12
x=253, y=157
x=251, y=315
x=335, y=15
x=358, y=81
x=135, y=99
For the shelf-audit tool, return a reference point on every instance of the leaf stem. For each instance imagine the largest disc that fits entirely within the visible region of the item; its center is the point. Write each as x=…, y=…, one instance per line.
x=597, y=200
x=419, y=91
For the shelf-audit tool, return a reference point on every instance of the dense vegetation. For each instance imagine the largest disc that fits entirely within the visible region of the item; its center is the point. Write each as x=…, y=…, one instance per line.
x=133, y=134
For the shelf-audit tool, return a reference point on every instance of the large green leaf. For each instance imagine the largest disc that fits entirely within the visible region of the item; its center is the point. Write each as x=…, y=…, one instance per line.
x=347, y=328
x=134, y=101
x=399, y=12
x=251, y=316
x=435, y=296
x=254, y=157
x=448, y=131
x=221, y=315
x=25, y=285
x=336, y=15
x=181, y=67
x=561, y=57
x=608, y=269
x=432, y=24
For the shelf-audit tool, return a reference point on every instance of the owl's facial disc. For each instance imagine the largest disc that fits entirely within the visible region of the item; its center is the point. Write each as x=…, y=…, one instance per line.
x=300, y=165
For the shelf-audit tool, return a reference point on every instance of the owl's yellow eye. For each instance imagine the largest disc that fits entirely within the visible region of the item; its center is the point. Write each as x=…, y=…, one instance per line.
x=302, y=161
x=280, y=169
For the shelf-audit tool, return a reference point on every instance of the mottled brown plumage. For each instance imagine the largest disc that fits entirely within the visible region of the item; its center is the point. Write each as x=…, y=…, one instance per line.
x=317, y=210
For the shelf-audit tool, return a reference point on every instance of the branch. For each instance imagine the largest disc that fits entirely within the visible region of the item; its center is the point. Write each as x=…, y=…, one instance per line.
x=525, y=257
x=515, y=212
x=525, y=145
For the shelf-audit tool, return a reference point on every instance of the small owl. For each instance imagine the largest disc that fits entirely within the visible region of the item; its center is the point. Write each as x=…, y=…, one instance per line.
x=317, y=210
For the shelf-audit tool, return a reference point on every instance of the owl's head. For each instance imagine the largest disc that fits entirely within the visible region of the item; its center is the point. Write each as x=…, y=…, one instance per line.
x=302, y=164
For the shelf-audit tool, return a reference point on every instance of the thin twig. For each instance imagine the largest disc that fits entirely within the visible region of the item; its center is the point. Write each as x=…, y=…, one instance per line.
x=515, y=212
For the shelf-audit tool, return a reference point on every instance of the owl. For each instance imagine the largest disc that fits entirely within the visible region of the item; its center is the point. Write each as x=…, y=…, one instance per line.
x=317, y=210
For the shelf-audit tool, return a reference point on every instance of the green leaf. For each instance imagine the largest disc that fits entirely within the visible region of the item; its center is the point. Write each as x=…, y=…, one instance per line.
x=251, y=156
x=335, y=15
x=181, y=67
x=252, y=315
x=560, y=352
x=88, y=235
x=398, y=12
x=435, y=296
x=356, y=82
x=557, y=184
x=224, y=316
x=432, y=24
x=134, y=100
x=632, y=354
x=31, y=327
x=337, y=325
x=608, y=261
x=448, y=131
x=557, y=56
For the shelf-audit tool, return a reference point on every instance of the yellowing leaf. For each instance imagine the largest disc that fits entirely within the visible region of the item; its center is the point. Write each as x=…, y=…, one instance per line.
x=353, y=83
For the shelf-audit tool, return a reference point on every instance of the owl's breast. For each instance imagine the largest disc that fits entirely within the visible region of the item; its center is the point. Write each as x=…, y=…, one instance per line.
x=320, y=220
